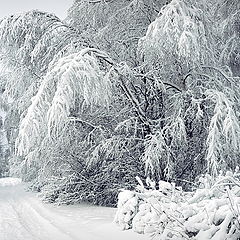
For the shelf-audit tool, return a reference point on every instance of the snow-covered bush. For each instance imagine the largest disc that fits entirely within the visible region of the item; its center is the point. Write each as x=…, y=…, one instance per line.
x=98, y=184
x=209, y=212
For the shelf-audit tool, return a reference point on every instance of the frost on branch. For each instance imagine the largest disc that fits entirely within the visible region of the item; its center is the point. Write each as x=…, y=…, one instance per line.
x=32, y=39
x=159, y=147
x=224, y=131
x=155, y=154
x=116, y=26
x=29, y=42
x=230, y=37
x=77, y=76
x=175, y=41
x=32, y=126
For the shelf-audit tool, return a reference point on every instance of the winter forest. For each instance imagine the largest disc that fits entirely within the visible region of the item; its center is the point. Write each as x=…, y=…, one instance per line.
x=128, y=104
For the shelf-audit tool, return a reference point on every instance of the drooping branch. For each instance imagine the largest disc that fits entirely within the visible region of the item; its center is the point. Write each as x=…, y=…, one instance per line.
x=171, y=85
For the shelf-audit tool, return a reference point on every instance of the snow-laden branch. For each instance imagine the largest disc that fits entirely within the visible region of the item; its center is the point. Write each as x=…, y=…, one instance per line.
x=73, y=77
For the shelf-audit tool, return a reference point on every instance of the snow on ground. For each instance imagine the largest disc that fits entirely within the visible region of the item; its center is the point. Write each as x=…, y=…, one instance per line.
x=4, y=182
x=24, y=217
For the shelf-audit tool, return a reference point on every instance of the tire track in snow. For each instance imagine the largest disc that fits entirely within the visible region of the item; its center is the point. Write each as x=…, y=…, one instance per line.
x=24, y=217
x=20, y=221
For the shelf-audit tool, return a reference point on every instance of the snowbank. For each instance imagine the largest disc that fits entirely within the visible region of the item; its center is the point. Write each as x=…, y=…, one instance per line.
x=210, y=212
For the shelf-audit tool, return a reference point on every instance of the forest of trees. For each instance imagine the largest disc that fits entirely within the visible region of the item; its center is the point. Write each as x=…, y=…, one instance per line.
x=120, y=89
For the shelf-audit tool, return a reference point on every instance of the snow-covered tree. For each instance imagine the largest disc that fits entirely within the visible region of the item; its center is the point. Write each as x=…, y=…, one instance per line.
x=4, y=146
x=29, y=43
x=115, y=26
x=166, y=97
x=228, y=13
x=74, y=76
x=200, y=117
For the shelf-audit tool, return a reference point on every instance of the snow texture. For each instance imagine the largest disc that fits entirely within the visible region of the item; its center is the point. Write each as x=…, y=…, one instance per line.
x=24, y=217
x=211, y=212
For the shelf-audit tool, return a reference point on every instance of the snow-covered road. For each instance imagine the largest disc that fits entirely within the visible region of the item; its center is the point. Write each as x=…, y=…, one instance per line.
x=24, y=217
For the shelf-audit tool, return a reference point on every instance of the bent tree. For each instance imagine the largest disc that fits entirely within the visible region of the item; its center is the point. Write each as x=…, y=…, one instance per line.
x=92, y=121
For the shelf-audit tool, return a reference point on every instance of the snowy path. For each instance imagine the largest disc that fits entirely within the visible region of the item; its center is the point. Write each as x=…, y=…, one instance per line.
x=24, y=217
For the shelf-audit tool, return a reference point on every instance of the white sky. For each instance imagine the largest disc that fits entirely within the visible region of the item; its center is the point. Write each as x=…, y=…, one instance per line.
x=58, y=7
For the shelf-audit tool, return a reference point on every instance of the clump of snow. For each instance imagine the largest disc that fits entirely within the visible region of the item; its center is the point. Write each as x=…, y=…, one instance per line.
x=9, y=181
x=211, y=212
x=127, y=209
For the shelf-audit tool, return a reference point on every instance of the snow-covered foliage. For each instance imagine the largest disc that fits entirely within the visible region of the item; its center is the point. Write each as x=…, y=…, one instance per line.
x=114, y=26
x=168, y=100
x=180, y=52
x=229, y=12
x=179, y=33
x=29, y=42
x=209, y=212
x=157, y=154
x=75, y=76
x=224, y=131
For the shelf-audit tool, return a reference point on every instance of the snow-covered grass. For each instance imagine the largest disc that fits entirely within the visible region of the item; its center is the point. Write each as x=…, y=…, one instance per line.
x=209, y=212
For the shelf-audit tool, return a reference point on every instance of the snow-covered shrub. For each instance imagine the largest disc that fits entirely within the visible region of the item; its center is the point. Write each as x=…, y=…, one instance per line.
x=99, y=184
x=127, y=209
x=209, y=212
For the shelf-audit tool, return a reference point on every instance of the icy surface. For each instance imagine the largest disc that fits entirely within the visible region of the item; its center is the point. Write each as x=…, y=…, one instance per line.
x=24, y=217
